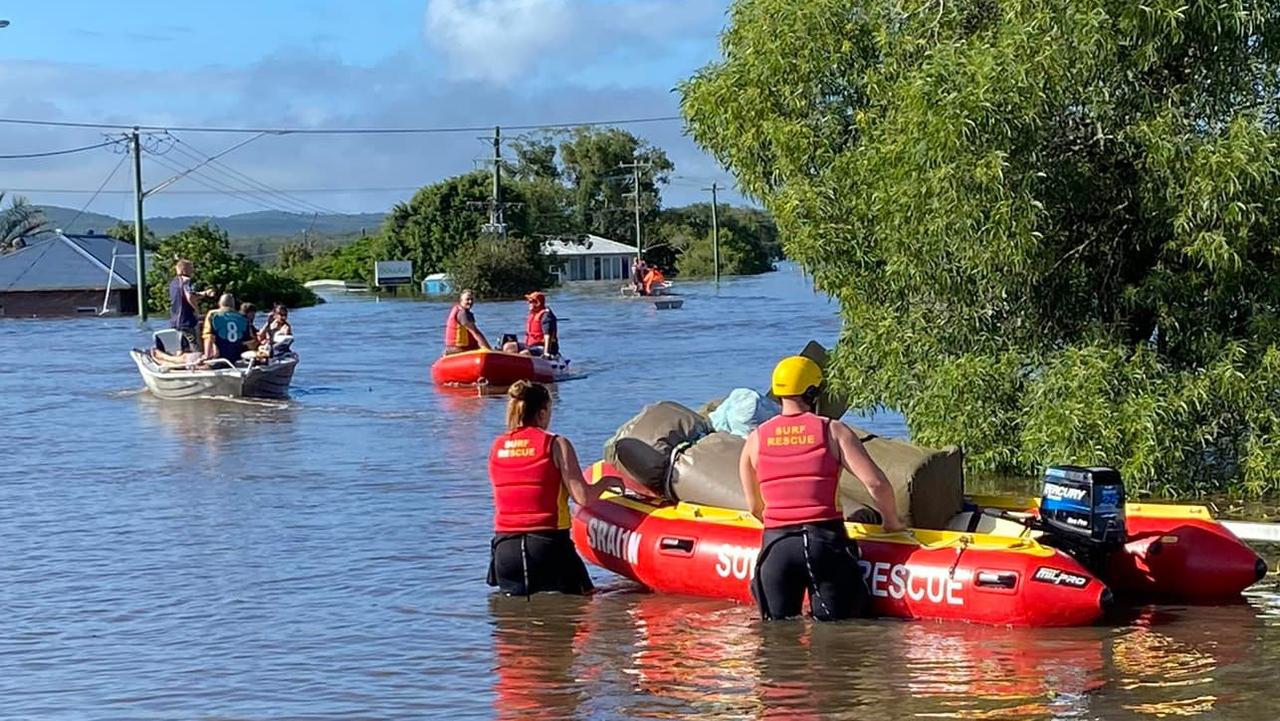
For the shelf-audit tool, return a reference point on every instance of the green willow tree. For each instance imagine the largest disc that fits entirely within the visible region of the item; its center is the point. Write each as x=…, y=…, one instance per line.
x=1051, y=225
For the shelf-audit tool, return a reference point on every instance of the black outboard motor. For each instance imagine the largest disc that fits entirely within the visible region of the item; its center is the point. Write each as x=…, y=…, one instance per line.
x=1082, y=512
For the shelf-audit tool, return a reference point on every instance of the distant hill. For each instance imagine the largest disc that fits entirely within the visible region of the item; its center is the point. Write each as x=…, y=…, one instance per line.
x=269, y=223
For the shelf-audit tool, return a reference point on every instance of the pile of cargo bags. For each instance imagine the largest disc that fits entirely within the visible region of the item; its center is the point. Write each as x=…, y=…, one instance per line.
x=673, y=452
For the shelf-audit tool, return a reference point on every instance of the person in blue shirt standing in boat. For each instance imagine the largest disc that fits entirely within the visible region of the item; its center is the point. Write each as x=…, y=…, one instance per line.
x=184, y=305
x=225, y=330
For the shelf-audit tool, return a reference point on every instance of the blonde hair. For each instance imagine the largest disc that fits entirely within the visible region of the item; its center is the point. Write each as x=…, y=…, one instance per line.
x=526, y=401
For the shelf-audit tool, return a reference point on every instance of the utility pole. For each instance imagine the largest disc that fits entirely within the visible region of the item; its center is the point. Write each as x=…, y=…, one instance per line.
x=497, y=219
x=139, y=258
x=495, y=205
x=635, y=185
x=715, y=231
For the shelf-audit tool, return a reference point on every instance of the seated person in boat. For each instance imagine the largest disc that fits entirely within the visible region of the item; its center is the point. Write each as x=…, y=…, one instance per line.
x=460, y=331
x=187, y=359
x=653, y=280
x=250, y=312
x=533, y=474
x=542, y=337
x=277, y=333
x=638, y=269
x=790, y=471
x=225, y=330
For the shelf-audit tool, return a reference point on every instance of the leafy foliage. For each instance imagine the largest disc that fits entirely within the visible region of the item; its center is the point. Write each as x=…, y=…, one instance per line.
x=352, y=262
x=209, y=250
x=739, y=255
x=500, y=268
x=294, y=254
x=127, y=233
x=441, y=219
x=1051, y=225
x=592, y=160
x=20, y=219
x=748, y=241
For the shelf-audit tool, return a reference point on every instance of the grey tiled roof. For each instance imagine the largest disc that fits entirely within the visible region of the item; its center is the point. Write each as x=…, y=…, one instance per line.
x=67, y=262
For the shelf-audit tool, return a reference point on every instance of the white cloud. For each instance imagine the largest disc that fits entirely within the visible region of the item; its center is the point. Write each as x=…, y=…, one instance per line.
x=496, y=39
x=502, y=40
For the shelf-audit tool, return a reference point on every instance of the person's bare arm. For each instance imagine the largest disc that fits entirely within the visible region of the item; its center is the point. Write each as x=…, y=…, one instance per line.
x=750, y=481
x=566, y=459
x=853, y=456
x=470, y=325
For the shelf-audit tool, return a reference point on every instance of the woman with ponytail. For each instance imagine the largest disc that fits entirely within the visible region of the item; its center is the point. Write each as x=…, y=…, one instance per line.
x=534, y=473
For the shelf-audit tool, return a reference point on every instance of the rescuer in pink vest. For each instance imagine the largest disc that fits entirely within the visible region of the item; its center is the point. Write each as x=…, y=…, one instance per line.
x=790, y=471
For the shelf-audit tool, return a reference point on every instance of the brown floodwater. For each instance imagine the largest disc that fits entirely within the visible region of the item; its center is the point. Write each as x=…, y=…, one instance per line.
x=325, y=557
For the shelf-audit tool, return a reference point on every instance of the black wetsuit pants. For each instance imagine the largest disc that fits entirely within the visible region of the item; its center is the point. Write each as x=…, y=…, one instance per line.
x=818, y=558
x=521, y=564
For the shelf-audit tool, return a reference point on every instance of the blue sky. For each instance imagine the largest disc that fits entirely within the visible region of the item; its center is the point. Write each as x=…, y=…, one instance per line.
x=322, y=63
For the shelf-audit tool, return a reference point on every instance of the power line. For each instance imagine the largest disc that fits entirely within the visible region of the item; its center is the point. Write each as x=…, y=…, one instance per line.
x=335, y=131
x=52, y=153
x=110, y=175
x=308, y=206
x=206, y=161
x=230, y=181
x=81, y=191
x=214, y=184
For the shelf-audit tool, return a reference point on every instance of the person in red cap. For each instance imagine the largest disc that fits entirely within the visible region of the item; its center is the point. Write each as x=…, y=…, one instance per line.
x=541, y=336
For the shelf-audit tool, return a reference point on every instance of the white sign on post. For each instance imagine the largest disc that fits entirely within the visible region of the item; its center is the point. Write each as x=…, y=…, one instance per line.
x=393, y=272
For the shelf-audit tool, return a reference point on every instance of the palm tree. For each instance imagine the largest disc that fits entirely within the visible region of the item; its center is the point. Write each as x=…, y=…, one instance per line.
x=19, y=219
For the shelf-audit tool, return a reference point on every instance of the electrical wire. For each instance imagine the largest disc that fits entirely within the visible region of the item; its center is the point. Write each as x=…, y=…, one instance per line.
x=208, y=160
x=52, y=153
x=338, y=131
x=192, y=152
x=215, y=184
x=85, y=207
x=82, y=191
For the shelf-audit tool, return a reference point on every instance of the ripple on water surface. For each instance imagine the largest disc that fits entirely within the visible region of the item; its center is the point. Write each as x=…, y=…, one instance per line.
x=325, y=557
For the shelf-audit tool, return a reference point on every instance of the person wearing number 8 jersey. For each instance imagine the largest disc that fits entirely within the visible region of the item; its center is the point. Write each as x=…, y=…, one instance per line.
x=790, y=471
x=225, y=330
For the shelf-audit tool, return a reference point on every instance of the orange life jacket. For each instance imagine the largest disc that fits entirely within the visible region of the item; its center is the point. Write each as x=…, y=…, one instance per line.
x=799, y=476
x=456, y=335
x=533, y=334
x=528, y=493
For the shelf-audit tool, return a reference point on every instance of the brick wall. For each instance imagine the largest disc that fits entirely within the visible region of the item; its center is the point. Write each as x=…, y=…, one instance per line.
x=41, y=304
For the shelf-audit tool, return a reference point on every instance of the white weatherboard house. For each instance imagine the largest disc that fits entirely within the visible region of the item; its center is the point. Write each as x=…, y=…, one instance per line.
x=594, y=258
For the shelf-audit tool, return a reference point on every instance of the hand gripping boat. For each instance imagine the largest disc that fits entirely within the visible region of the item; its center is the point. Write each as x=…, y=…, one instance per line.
x=220, y=378
x=991, y=569
x=490, y=367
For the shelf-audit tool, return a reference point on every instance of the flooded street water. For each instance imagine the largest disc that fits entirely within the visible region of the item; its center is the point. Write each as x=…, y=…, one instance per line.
x=325, y=557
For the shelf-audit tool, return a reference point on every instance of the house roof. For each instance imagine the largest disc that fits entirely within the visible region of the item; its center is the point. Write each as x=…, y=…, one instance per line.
x=67, y=262
x=592, y=245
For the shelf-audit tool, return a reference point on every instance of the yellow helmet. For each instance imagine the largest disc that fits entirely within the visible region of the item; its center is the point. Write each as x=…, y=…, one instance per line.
x=795, y=376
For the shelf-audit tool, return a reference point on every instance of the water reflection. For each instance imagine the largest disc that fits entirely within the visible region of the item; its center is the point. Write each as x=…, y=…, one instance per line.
x=1172, y=660
x=221, y=433
x=534, y=650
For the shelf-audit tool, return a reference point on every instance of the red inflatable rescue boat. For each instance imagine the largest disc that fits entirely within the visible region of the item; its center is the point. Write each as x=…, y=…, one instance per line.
x=1170, y=552
x=488, y=367
x=998, y=573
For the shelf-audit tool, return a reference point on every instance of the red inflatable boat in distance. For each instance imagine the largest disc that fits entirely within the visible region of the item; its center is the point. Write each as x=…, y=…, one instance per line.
x=945, y=575
x=489, y=367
